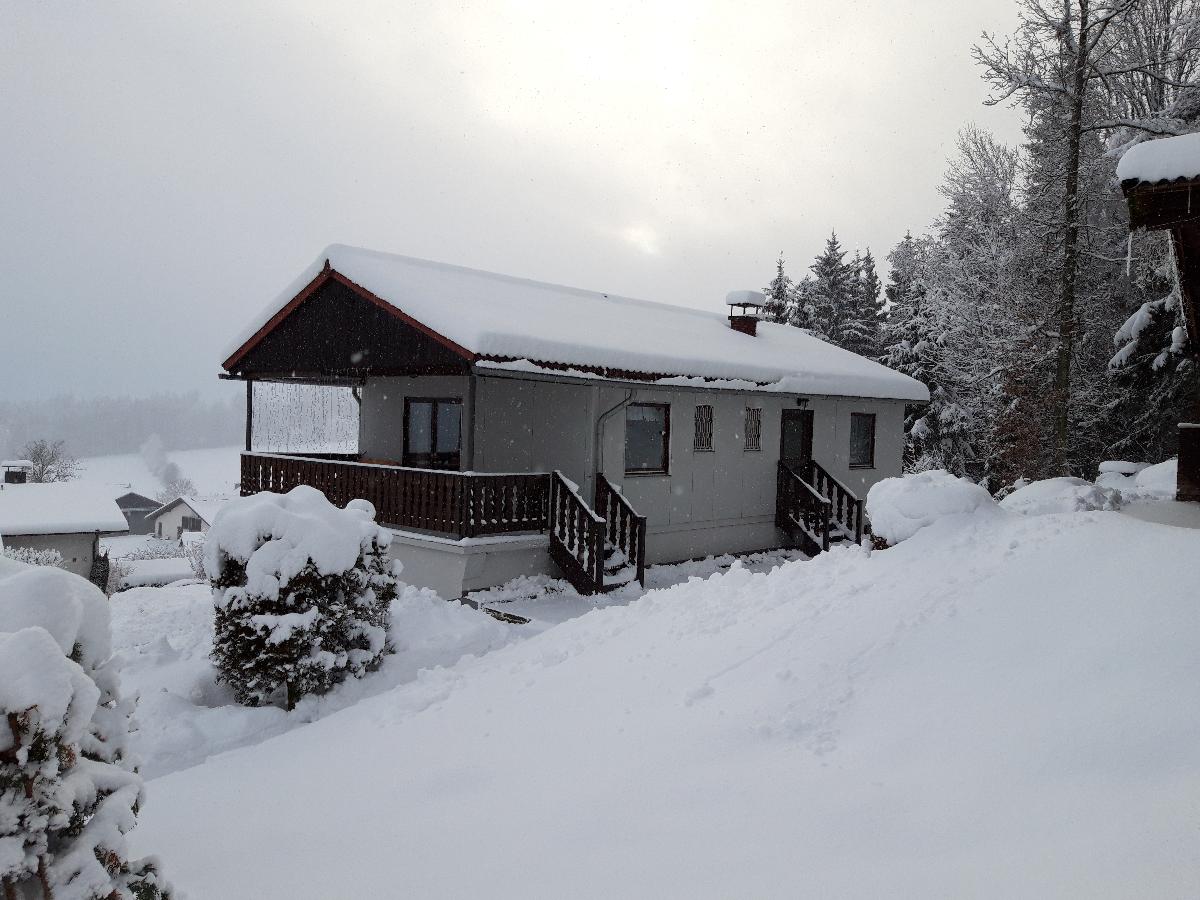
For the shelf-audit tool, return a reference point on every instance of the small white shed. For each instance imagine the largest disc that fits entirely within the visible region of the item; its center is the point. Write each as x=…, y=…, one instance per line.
x=67, y=516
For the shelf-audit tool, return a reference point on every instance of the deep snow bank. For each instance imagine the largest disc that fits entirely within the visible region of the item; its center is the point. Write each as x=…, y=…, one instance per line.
x=999, y=706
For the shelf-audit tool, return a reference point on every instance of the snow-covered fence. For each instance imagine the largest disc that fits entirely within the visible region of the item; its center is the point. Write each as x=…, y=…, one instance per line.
x=302, y=592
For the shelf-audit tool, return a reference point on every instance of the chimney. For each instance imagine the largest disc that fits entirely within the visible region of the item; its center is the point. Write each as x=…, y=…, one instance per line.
x=745, y=308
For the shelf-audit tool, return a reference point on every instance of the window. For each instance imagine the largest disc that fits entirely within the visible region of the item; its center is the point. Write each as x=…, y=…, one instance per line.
x=432, y=433
x=647, y=438
x=753, y=429
x=192, y=523
x=862, y=440
x=704, y=428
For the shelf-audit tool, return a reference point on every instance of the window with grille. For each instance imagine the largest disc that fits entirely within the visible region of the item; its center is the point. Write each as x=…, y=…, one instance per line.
x=704, y=428
x=753, y=428
x=862, y=440
x=192, y=523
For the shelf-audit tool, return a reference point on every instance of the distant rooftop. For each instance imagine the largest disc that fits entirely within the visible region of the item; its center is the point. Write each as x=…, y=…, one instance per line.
x=59, y=507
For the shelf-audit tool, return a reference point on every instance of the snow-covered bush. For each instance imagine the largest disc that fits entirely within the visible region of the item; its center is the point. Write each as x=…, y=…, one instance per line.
x=1060, y=495
x=155, y=548
x=302, y=591
x=900, y=507
x=193, y=552
x=45, y=557
x=69, y=790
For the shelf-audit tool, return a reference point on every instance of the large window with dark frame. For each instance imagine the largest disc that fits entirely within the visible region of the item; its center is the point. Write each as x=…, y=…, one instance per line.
x=703, y=439
x=753, y=430
x=862, y=440
x=432, y=432
x=647, y=438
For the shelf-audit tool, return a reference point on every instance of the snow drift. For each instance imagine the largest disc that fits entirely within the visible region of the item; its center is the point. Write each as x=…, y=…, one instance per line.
x=1000, y=705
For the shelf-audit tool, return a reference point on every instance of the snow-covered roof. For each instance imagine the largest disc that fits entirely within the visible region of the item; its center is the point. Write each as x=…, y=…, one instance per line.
x=499, y=317
x=1166, y=159
x=59, y=507
x=17, y=464
x=205, y=509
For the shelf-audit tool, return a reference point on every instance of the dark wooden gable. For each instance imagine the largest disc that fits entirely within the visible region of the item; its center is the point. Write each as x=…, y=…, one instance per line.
x=1173, y=206
x=335, y=329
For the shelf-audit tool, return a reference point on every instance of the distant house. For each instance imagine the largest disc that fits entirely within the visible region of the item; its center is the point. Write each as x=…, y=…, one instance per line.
x=136, y=510
x=66, y=516
x=16, y=471
x=495, y=409
x=1161, y=182
x=183, y=514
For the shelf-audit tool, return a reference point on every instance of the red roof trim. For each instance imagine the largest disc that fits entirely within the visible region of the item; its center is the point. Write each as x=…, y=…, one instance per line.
x=330, y=274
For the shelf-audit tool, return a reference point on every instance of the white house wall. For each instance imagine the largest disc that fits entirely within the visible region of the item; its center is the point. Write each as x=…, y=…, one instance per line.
x=78, y=549
x=167, y=524
x=381, y=415
x=711, y=502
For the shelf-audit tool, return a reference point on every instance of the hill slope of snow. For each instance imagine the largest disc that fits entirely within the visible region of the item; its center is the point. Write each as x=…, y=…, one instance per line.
x=214, y=470
x=1000, y=706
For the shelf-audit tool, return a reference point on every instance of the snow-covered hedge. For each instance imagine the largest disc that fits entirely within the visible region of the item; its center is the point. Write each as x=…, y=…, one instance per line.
x=1061, y=495
x=69, y=791
x=900, y=507
x=302, y=591
x=46, y=556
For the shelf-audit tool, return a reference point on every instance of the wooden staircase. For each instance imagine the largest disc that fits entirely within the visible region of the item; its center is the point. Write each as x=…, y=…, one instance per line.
x=598, y=549
x=815, y=508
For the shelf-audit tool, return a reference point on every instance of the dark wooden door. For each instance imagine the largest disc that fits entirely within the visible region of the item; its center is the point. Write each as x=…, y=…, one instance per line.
x=796, y=435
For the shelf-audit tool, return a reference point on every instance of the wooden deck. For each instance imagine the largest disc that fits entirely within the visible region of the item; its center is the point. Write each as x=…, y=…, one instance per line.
x=457, y=504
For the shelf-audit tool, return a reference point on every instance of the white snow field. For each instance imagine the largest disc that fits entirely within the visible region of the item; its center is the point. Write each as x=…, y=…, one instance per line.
x=214, y=471
x=1002, y=705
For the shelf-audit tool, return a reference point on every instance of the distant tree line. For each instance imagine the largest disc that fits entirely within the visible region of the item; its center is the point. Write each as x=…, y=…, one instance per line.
x=1049, y=339
x=96, y=426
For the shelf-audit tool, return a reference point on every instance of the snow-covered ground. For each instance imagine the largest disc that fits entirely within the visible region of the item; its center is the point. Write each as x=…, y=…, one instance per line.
x=213, y=470
x=1002, y=705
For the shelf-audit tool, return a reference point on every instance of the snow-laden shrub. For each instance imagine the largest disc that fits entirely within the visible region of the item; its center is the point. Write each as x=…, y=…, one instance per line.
x=193, y=552
x=1060, y=495
x=900, y=507
x=301, y=591
x=47, y=556
x=155, y=548
x=69, y=789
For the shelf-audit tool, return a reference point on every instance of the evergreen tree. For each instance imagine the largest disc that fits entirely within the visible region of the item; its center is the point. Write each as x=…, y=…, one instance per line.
x=831, y=295
x=69, y=791
x=778, y=307
x=302, y=593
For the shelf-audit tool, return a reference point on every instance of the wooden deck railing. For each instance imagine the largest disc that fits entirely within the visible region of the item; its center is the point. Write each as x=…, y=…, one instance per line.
x=801, y=507
x=460, y=504
x=624, y=529
x=847, y=508
x=576, y=536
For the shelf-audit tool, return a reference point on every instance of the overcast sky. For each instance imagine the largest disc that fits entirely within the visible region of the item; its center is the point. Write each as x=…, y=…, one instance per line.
x=169, y=167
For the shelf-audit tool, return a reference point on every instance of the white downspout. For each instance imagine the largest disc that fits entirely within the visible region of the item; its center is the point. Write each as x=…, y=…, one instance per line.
x=599, y=435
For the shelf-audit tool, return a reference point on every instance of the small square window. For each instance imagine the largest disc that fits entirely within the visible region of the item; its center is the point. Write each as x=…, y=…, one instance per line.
x=753, y=429
x=704, y=428
x=647, y=438
x=862, y=440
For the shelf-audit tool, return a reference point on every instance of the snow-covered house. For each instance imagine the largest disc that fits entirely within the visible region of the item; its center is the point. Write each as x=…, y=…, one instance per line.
x=67, y=516
x=16, y=471
x=494, y=409
x=182, y=515
x=137, y=509
x=1161, y=182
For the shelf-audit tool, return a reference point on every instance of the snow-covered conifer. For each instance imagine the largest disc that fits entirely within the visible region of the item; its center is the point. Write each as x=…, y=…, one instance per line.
x=69, y=790
x=301, y=590
x=778, y=307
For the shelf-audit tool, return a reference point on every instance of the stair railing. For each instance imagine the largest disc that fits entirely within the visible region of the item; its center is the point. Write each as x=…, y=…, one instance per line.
x=576, y=536
x=800, y=506
x=624, y=529
x=846, y=507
